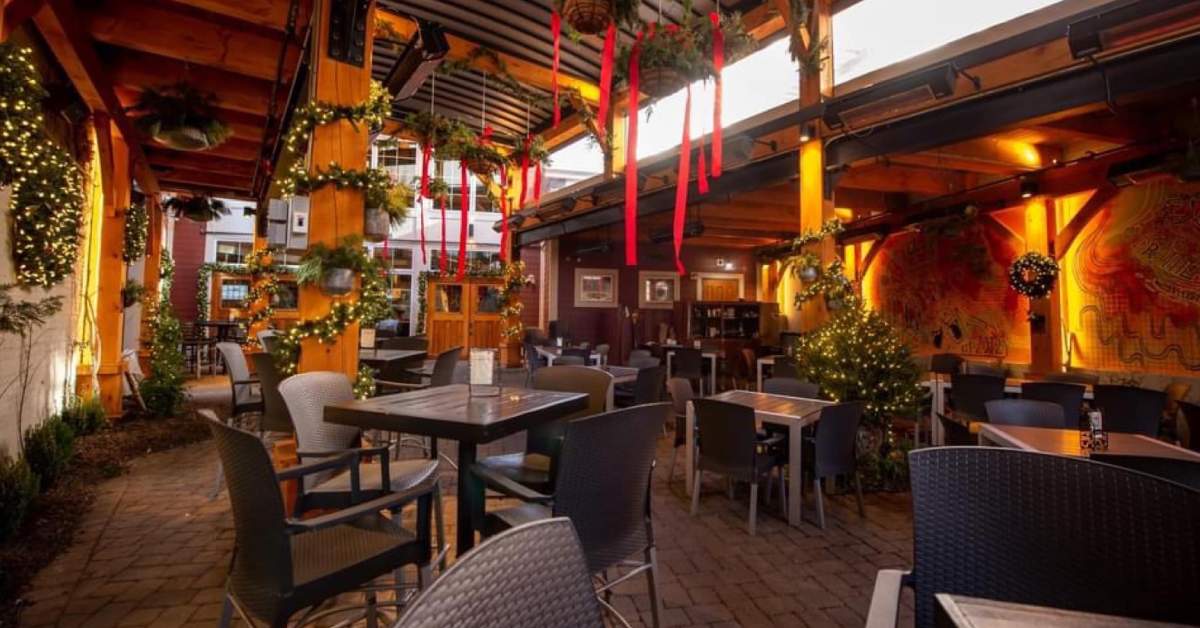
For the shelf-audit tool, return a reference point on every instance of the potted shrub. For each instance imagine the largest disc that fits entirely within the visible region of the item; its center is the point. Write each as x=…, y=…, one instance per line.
x=592, y=16
x=197, y=208
x=672, y=56
x=333, y=268
x=180, y=117
x=387, y=205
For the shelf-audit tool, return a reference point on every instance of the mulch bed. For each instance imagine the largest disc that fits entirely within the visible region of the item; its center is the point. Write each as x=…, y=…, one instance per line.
x=55, y=515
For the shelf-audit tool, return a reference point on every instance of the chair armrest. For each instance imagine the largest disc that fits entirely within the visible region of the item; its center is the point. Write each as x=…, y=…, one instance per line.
x=885, y=601
x=314, y=453
x=336, y=460
x=383, y=383
x=351, y=514
x=252, y=380
x=508, y=486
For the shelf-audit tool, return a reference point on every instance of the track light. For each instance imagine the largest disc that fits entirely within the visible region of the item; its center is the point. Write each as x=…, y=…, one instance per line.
x=807, y=132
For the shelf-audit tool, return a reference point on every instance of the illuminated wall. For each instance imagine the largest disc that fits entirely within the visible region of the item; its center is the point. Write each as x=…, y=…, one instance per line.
x=1132, y=279
x=947, y=291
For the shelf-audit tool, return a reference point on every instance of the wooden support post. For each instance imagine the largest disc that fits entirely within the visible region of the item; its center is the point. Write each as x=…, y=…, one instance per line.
x=333, y=213
x=110, y=311
x=1045, y=333
x=815, y=202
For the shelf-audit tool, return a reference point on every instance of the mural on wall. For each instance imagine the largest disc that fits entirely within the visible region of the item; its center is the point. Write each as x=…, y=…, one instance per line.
x=947, y=292
x=1134, y=275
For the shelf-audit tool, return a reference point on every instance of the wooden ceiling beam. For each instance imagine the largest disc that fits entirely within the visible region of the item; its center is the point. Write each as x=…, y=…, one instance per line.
x=272, y=14
x=61, y=27
x=233, y=148
x=524, y=71
x=157, y=29
x=984, y=156
x=137, y=70
x=891, y=178
x=205, y=178
x=200, y=161
x=16, y=13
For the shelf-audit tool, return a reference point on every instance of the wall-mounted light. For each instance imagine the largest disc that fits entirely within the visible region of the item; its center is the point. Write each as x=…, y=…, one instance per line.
x=1029, y=188
x=807, y=132
x=720, y=262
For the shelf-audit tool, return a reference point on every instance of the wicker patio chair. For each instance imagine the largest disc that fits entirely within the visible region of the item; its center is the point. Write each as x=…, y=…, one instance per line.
x=1130, y=409
x=1026, y=412
x=1068, y=396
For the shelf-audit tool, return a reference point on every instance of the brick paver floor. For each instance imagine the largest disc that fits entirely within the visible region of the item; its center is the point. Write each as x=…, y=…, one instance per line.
x=154, y=548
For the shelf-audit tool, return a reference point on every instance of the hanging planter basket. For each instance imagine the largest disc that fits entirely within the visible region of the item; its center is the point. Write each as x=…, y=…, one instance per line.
x=377, y=224
x=337, y=282
x=660, y=81
x=180, y=117
x=588, y=16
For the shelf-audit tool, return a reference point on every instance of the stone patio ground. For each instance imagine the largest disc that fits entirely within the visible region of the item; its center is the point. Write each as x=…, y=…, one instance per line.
x=154, y=549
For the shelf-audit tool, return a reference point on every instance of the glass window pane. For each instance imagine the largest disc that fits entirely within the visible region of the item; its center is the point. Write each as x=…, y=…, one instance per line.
x=448, y=298
x=487, y=299
x=233, y=252
x=234, y=292
x=400, y=298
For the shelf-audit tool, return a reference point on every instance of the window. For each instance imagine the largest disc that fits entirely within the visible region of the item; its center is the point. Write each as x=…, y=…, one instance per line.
x=399, y=158
x=394, y=259
x=233, y=252
x=476, y=260
x=234, y=292
x=400, y=296
x=287, y=297
x=657, y=289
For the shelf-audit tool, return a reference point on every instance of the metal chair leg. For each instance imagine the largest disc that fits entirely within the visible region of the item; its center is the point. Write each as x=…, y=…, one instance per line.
x=226, y=612
x=652, y=579
x=696, y=493
x=819, y=496
x=753, y=507
x=858, y=494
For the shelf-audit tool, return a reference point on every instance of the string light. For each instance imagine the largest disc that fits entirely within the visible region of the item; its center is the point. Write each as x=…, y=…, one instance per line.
x=137, y=226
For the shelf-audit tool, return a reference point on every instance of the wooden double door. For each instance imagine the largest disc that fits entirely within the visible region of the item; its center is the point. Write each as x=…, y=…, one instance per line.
x=463, y=313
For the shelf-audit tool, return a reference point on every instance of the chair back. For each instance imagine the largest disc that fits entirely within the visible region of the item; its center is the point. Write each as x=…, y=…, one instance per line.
x=649, y=385
x=1130, y=409
x=785, y=366
x=570, y=360
x=687, y=362
x=1189, y=413
x=791, y=387
x=837, y=438
x=603, y=481
x=404, y=343
x=546, y=438
x=945, y=363
x=638, y=353
x=644, y=362
x=728, y=438
x=275, y=416
x=532, y=575
x=986, y=368
x=1068, y=396
x=266, y=338
x=533, y=359
x=1185, y=472
x=306, y=396
x=577, y=352
x=681, y=393
x=788, y=341
x=749, y=361
x=443, y=367
x=1057, y=531
x=261, y=573
x=970, y=392
x=1026, y=412
x=236, y=368
x=1072, y=377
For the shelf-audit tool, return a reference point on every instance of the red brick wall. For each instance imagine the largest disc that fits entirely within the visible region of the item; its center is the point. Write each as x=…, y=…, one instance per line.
x=532, y=256
x=188, y=252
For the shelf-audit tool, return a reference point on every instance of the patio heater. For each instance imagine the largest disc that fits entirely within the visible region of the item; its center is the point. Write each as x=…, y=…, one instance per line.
x=424, y=53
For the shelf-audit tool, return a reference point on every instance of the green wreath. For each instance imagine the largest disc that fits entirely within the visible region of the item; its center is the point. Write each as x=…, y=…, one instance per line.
x=1033, y=275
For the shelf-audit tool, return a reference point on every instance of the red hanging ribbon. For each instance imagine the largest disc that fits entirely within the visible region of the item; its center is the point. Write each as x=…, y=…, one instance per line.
x=555, y=32
x=701, y=170
x=525, y=170
x=718, y=53
x=631, y=176
x=442, y=261
x=462, y=223
x=504, y=214
x=424, y=259
x=537, y=184
x=425, y=151
x=681, y=180
x=606, y=74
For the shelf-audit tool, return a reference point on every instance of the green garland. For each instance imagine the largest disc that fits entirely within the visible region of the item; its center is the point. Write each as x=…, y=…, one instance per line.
x=373, y=111
x=364, y=382
x=204, y=277
x=47, y=186
x=1033, y=275
x=265, y=285
x=515, y=280
x=374, y=182
x=502, y=79
x=137, y=227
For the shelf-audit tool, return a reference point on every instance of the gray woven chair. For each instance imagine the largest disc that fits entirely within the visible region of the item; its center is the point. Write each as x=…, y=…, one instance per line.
x=1026, y=412
x=306, y=396
x=441, y=375
x=835, y=451
x=730, y=446
x=246, y=396
x=648, y=388
x=791, y=387
x=275, y=416
x=1068, y=396
x=968, y=396
x=645, y=362
x=681, y=393
x=603, y=349
x=1057, y=531
x=603, y=485
x=1185, y=472
x=535, y=468
x=532, y=575
x=785, y=367
x=688, y=363
x=267, y=338
x=570, y=360
x=1130, y=409
x=282, y=566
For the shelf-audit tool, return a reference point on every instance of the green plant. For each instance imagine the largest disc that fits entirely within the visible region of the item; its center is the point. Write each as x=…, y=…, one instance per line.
x=49, y=448
x=364, y=382
x=137, y=224
x=686, y=49
x=85, y=416
x=477, y=151
x=396, y=199
x=181, y=117
x=320, y=258
x=197, y=208
x=18, y=487
x=429, y=129
x=132, y=292
x=162, y=390
x=623, y=13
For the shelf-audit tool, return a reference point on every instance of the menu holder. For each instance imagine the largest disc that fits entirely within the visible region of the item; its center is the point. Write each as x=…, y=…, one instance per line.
x=484, y=379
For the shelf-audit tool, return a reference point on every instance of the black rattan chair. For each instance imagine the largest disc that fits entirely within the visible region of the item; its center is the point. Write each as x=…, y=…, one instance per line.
x=985, y=368
x=835, y=451
x=1026, y=412
x=688, y=363
x=244, y=389
x=1072, y=377
x=1068, y=396
x=946, y=363
x=1186, y=472
x=639, y=353
x=968, y=395
x=282, y=566
x=533, y=360
x=647, y=389
x=1057, y=531
x=785, y=366
x=441, y=375
x=532, y=575
x=275, y=416
x=603, y=485
x=791, y=387
x=644, y=362
x=404, y=343
x=730, y=446
x=1130, y=409
x=681, y=394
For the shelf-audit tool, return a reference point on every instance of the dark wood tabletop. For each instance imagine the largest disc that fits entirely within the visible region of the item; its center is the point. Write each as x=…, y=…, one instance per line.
x=969, y=612
x=450, y=412
x=390, y=355
x=769, y=406
x=1066, y=442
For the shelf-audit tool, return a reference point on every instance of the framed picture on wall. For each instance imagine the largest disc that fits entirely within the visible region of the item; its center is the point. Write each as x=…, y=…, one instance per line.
x=596, y=287
x=657, y=289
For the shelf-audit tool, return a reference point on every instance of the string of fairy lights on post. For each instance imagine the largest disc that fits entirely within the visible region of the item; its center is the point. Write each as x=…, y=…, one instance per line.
x=47, y=185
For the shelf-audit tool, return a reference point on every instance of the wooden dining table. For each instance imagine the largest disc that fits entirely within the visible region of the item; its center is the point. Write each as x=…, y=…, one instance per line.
x=961, y=611
x=794, y=412
x=1066, y=442
x=380, y=357
x=455, y=413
